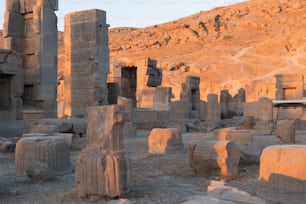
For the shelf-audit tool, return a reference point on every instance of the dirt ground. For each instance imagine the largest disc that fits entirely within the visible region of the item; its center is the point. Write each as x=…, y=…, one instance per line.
x=165, y=179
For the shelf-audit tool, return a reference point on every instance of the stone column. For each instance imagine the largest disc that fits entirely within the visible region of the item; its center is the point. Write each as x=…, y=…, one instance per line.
x=102, y=169
x=86, y=61
x=212, y=108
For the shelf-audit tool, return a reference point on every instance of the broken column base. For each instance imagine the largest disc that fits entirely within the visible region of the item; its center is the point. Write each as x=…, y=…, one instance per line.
x=101, y=174
x=214, y=158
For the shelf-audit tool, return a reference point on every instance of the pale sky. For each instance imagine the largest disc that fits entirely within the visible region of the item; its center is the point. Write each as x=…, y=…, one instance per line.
x=135, y=13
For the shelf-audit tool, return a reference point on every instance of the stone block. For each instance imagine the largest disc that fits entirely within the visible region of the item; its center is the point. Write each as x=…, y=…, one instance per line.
x=155, y=98
x=165, y=140
x=217, y=158
x=282, y=177
x=105, y=125
x=52, y=150
x=221, y=134
x=148, y=119
x=285, y=130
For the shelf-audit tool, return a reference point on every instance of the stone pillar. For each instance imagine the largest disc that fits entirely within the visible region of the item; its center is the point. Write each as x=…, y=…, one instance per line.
x=30, y=28
x=102, y=169
x=225, y=100
x=86, y=61
x=264, y=124
x=285, y=130
x=212, y=108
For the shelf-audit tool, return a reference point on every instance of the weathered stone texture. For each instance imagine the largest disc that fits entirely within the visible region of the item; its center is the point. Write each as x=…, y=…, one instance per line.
x=282, y=177
x=285, y=130
x=264, y=124
x=86, y=62
x=158, y=98
x=148, y=119
x=105, y=125
x=52, y=150
x=162, y=141
x=30, y=28
x=215, y=158
x=99, y=174
x=102, y=169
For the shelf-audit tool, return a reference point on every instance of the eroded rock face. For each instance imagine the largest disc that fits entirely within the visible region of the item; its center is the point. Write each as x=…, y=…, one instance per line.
x=215, y=158
x=165, y=140
x=282, y=177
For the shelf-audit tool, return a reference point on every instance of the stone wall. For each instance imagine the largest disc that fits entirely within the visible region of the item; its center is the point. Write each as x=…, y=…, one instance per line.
x=11, y=89
x=30, y=28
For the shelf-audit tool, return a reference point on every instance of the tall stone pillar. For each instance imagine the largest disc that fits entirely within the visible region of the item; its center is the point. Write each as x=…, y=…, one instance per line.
x=212, y=108
x=30, y=28
x=86, y=61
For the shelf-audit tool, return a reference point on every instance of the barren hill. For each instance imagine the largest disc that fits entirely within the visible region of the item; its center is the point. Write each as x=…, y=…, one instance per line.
x=239, y=46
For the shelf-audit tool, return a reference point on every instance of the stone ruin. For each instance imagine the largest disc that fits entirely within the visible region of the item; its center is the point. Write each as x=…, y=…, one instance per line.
x=11, y=89
x=102, y=169
x=86, y=63
x=29, y=81
x=30, y=28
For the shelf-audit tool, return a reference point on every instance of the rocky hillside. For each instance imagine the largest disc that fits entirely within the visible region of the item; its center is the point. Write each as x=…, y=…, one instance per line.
x=239, y=46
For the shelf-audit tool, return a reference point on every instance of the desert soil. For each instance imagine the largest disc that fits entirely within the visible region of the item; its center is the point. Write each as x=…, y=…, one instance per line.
x=162, y=179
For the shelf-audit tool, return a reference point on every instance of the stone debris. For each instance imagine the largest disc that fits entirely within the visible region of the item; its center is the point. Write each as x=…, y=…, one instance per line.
x=218, y=158
x=218, y=192
x=162, y=141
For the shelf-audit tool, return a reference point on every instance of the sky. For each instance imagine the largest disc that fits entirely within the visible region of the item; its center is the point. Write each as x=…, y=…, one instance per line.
x=135, y=13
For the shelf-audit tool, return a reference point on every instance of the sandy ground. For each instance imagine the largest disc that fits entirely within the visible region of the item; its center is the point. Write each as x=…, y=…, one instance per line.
x=165, y=179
